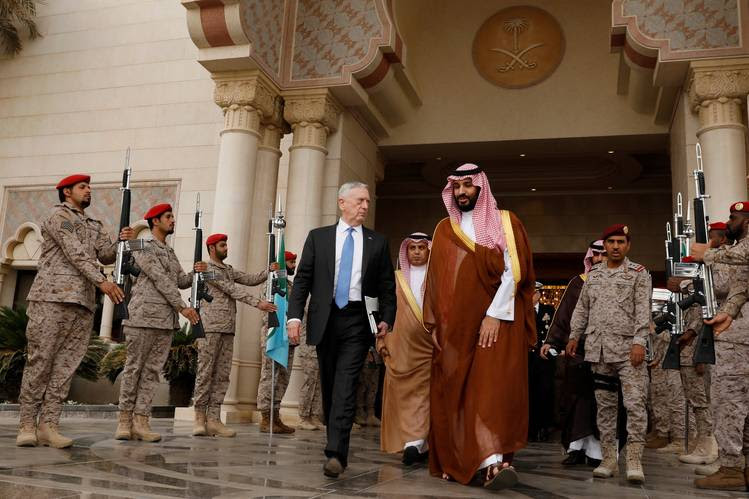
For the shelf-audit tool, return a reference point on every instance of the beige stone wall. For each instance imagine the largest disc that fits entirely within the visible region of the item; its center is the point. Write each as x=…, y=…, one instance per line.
x=578, y=100
x=108, y=75
x=555, y=224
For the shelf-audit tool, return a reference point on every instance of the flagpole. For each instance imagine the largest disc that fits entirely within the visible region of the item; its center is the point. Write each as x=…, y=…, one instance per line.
x=278, y=223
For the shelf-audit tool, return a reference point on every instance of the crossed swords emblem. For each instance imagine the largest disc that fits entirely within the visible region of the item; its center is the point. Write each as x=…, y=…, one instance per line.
x=516, y=55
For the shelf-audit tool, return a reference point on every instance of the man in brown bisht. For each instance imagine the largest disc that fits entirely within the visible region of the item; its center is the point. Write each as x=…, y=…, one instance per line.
x=407, y=352
x=478, y=305
x=577, y=400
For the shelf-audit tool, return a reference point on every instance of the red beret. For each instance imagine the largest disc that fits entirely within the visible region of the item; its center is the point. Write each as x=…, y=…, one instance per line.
x=289, y=256
x=718, y=226
x=741, y=206
x=214, y=238
x=72, y=180
x=157, y=210
x=615, y=230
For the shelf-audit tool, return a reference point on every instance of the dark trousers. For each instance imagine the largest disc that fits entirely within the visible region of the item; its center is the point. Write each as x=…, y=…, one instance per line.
x=341, y=356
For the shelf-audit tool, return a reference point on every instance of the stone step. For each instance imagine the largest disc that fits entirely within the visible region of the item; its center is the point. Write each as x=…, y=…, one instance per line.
x=98, y=411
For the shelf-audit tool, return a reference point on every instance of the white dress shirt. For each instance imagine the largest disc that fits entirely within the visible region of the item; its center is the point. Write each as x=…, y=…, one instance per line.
x=503, y=304
x=354, y=293
x=417, y=281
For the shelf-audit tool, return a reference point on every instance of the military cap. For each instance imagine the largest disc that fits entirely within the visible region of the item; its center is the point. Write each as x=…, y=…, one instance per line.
x=615, y=230
x=718, y=226
x=157, y=210
x=741, y=206
x=214, y=238
x=72, y=180
x=288, y=256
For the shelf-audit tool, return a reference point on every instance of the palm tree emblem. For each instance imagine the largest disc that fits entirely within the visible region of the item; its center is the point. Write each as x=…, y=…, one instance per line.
x=515, y=26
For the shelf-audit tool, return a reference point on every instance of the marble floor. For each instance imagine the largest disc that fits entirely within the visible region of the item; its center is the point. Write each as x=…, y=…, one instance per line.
x=185, y=466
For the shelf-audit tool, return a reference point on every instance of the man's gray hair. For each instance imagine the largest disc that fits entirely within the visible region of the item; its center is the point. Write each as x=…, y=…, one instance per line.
x=349, y=186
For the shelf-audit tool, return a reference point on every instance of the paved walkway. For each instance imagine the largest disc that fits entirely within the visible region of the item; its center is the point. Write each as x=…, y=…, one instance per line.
x=185, y=466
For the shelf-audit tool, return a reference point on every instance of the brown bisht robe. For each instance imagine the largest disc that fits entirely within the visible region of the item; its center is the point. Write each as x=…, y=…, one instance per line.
x=405, y=403
x=479, y=396
x=577, y=401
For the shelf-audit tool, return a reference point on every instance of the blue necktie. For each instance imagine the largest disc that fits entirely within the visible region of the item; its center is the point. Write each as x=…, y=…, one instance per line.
x=344, y=270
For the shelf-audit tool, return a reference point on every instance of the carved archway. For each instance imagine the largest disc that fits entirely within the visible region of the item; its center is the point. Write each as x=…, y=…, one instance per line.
x=22, y=249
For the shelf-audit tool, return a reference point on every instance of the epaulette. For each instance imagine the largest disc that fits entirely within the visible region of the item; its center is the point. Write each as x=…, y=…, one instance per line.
x=636, y=267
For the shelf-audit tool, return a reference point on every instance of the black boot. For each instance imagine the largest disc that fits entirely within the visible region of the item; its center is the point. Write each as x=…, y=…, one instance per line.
x=594, y=463
x=574, y=457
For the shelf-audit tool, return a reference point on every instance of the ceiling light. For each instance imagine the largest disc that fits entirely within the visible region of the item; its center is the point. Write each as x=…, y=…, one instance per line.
x=533, y=189
x=609, y=188
x=522, y=155
x=438, y=158
x=611, y=152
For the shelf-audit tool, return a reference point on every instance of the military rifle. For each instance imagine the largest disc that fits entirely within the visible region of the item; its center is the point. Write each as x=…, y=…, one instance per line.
x=276, y=226
x=199, y=290
x=702, y=280
x=124, y=265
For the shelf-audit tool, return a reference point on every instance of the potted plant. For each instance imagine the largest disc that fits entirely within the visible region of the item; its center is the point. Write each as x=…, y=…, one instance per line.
x=181, y=367
x=113, y=362
x=13, y=353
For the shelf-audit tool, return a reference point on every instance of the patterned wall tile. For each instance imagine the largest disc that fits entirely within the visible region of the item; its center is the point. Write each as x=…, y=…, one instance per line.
x=33, y=205
x=262, y=21
x=688, y=24
x=331, y=34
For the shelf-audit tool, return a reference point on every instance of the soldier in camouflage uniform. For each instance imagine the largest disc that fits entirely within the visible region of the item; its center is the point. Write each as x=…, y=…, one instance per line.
x=729, y=389
x=614, y=313
x=154, y=308
x=366, y=395
x=282, y=374
x=696, y=378
x=61, y=309
x=219, y=324
x=667, y=404
x=310, y=394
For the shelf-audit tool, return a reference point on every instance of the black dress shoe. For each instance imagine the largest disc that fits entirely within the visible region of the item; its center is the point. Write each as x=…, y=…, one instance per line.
x=412, y=455
x=594, y=463
x=575, y=457
x=332, y=468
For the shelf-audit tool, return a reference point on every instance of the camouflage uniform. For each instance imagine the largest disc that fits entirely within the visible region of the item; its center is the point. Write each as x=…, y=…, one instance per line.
x=310, y=393
x=219, y=322
x=695, y=386
x=155, y=303
x=369, y=381
x=614, y=313
x=282, y=374
x=667, y=401
x=61, y=309
x=730, y=377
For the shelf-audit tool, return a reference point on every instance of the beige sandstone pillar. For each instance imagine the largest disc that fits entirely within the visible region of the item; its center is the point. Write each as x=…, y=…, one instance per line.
x=312, y=114
x=246, y=99
x=107, y=315
x=718, y=91
x=264, y=196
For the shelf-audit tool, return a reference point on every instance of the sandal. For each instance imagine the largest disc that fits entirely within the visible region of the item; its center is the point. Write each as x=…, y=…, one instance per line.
x=499, y=478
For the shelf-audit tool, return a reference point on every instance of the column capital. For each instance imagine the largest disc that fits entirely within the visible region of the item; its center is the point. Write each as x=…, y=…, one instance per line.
x=246, y=100
x=313, y=114
x=718, y=90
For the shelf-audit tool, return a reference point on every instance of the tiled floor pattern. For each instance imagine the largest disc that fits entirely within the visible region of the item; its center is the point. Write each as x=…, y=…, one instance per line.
x=185, y=466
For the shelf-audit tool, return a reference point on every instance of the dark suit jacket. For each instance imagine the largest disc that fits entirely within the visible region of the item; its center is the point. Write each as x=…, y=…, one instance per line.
x=316, y=271
x=543, y=321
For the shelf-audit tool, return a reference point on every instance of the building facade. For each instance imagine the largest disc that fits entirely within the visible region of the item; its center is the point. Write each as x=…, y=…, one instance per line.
x=582, y=113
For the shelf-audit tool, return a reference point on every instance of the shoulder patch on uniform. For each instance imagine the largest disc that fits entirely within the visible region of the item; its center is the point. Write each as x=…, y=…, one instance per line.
x=67, y=225
x=636, y=267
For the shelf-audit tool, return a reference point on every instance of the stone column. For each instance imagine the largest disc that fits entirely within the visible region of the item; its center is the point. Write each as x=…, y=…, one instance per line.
x=312, y=114
x=250, y=318
x=107, y=315
x=246, y=99
x=717, y=92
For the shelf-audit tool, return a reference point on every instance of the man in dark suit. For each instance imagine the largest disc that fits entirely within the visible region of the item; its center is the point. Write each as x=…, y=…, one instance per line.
x=540, y=376
x=340, y=265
